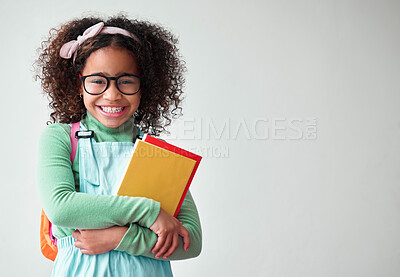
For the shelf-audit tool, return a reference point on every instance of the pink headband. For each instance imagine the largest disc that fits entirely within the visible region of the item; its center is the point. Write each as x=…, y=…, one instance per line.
x=70, y=48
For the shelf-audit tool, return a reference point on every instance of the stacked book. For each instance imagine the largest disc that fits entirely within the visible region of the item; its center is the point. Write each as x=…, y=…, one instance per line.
x=159, y=171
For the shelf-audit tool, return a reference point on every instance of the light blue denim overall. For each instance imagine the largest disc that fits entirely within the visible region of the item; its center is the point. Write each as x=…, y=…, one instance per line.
x=100, y=165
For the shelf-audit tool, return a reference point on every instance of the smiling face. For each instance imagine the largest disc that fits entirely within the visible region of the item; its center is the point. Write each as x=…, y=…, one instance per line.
x=111, y=108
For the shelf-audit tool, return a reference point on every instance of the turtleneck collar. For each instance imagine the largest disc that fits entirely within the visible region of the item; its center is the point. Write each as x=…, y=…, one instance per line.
x=125, y=132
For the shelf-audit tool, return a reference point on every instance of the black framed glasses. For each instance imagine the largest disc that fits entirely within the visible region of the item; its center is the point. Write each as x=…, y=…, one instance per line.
x=96, y=84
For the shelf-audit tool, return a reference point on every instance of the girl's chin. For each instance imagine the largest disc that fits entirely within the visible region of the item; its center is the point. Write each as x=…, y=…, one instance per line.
x=112, y=120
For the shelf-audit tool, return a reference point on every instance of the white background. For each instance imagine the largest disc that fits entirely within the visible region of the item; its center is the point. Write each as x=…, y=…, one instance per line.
x=278, y=196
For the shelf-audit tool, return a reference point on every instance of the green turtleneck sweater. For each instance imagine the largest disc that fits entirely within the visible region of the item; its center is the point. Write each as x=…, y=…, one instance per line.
x=68, y=209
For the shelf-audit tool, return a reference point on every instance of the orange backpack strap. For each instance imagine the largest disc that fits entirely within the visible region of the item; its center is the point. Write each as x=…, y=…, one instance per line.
x=48, y=243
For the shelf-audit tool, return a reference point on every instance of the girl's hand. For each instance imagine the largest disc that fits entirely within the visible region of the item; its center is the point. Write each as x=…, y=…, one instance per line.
x=98, y=241
x=168, y=230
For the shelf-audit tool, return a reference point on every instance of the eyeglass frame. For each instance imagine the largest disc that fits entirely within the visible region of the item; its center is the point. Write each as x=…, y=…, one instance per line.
x=83, y=78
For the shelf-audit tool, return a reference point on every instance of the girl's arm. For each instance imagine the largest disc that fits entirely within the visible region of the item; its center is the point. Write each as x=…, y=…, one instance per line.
x=140, y=241
x=67, y=208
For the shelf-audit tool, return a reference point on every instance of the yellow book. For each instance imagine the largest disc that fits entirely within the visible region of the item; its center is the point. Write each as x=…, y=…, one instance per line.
x=157, y=173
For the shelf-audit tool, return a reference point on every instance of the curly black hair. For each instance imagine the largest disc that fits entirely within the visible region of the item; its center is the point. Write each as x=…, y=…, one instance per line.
x=157, y=57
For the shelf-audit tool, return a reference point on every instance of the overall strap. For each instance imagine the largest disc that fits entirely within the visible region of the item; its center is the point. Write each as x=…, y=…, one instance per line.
x=140, y=133
x=75, y=127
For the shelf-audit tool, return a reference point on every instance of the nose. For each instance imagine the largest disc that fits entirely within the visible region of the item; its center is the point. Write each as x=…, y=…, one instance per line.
x=112, y=93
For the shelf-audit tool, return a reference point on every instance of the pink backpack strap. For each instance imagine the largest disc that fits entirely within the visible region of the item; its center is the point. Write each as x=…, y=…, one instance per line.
x=75, y=127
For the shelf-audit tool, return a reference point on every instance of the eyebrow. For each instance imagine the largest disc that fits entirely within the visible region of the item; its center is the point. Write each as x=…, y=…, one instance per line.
x=108, y=75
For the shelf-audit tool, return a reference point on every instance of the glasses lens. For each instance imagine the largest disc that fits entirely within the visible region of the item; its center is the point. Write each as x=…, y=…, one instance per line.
x=129, y=84
x=95, y=84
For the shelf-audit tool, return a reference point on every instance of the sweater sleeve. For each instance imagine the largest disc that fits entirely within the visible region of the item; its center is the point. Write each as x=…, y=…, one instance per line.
x=140, y=241
x=67, y=208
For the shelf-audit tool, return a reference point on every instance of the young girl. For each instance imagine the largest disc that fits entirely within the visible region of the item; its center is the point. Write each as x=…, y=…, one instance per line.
x=113, y=76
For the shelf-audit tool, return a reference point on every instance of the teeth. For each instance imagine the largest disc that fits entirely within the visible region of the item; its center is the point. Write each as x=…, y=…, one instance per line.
x=112, y=109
